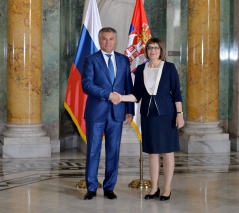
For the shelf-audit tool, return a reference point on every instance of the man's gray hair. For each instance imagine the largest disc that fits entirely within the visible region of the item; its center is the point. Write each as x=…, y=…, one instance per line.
x=107, y=30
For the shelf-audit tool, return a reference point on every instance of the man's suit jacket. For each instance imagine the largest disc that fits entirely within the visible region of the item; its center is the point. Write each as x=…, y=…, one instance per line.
x=167, y=94
x=97, y=85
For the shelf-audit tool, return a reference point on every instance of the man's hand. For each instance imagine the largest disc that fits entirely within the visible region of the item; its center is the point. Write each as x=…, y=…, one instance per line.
x=128, y=118
x=115, y=97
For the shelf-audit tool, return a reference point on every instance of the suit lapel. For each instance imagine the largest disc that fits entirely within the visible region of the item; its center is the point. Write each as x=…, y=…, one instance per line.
x=162, y=81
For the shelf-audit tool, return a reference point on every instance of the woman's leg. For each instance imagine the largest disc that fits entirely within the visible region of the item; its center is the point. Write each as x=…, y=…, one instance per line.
x=168, y=168
x=154, y=167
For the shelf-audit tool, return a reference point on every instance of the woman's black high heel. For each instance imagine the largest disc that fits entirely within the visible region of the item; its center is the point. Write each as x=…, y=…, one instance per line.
x=163, y=198
x=156, y=194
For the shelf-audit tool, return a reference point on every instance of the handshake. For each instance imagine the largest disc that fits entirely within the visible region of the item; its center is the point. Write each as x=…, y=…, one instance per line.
x=115, y=98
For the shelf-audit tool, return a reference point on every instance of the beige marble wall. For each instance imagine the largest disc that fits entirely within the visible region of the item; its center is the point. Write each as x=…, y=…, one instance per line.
x=203, y=60
x=120, y=9
x=24, y=79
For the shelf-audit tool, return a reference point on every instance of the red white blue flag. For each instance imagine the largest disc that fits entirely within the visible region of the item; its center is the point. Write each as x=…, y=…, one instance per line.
x=75, y=99
x=139, y=34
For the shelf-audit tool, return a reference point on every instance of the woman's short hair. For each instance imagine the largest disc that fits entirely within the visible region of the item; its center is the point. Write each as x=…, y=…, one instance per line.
x=161, y=45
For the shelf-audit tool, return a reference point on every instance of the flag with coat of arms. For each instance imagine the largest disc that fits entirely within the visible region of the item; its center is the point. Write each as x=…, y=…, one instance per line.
x=139, y=34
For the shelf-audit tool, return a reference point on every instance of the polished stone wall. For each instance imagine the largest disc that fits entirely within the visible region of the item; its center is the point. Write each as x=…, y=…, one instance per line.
x=156, y=11
x=183, y=59
x=225, y=70
x=70, y=22
x=51, y=67
x=61, y=29
x=176, y=40
x=234, y=55
x=3, y=63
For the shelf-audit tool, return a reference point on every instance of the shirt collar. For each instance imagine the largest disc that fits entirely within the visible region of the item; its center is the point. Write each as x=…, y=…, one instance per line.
x=103, y=52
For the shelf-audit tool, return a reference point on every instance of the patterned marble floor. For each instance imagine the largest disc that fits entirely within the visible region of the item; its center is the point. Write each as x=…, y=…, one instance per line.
x=201, y=184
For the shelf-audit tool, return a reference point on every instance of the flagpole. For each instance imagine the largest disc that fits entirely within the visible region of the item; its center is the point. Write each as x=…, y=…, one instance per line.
x=140, y=183
x=139, y=33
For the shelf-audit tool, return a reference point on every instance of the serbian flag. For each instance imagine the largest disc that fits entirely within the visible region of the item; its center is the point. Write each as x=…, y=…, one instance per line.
x=88, y=43
x=139, y=34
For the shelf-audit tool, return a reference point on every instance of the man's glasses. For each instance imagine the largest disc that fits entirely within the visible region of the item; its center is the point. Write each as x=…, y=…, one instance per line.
x=153, y=48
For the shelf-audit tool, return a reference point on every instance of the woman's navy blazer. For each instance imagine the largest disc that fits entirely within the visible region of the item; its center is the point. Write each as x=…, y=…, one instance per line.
x=167, y=94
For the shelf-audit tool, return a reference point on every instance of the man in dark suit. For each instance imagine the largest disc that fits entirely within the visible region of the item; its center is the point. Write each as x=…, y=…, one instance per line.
x=104, y=73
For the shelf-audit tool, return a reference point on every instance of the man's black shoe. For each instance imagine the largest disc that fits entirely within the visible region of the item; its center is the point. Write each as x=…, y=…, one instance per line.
x=110, y=195
x=89, y=195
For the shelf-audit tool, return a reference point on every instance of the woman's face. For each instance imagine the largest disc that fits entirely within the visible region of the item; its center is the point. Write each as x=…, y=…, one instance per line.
x=153, y=51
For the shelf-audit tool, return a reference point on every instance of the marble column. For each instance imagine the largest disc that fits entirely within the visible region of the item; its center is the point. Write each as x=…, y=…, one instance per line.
x=202, y=133
x=24, y=136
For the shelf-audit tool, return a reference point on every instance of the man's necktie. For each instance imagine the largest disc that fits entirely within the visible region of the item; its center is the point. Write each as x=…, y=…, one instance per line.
x=111, y=68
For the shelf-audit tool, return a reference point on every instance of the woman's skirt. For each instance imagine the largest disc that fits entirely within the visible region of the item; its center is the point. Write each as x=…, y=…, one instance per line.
x=159, y=134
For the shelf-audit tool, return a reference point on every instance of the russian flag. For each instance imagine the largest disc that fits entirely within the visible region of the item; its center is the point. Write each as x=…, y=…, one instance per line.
x=88, y=43
x=139, y=34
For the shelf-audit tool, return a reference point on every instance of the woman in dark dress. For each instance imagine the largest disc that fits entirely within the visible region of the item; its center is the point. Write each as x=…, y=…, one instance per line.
x=157, y=86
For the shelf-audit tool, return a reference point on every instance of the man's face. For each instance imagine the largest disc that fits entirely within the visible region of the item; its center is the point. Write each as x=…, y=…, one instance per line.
x=107, y=41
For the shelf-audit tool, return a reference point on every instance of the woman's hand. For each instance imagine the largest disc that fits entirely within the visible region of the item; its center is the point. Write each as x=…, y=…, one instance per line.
x=179, y=120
